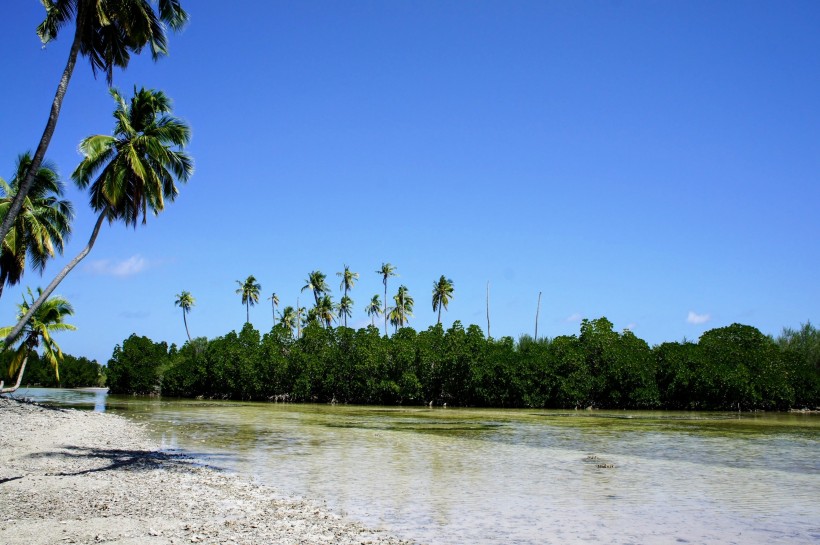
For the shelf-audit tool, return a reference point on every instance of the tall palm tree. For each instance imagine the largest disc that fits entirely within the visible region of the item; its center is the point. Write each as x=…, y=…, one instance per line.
x=345, y=308
x=131, y=172
x=317, y=284
x=48, y=319
x=325, y=310
x=274, y=301
x=41, y=228
x=403, y=310
x=249, y=290
x=185, y=301
x=387, y=270
x=442, y=293
x=106, y=33
x=301, y=319
x=348, y=280
x=374, y=309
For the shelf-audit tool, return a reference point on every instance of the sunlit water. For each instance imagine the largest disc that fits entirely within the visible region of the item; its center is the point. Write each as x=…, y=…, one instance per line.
x=452, y=476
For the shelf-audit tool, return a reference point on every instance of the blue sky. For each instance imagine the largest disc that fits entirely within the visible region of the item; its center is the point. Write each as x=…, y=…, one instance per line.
x=653, y=162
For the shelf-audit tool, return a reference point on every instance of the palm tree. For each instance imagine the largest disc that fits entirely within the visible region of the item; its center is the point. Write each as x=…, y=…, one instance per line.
x=403, y=310
x=131, y=172
x=442, y=293
x=324, y=310
x=374, y=309
x=317, y=284
x=301, y=319
x=345, y=308
x=185, y=301
x=288, y=318
x=44, y=322
x=274, y=301
x=41, y=228
x=387, y=270
x=348, y=280
x=106, y=33
x=249, y=290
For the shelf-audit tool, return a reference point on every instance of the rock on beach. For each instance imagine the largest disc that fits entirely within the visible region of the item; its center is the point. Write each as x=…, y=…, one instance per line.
x=71, y=476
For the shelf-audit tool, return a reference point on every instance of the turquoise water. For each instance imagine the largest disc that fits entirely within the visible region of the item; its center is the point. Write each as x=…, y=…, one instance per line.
x=447, y=476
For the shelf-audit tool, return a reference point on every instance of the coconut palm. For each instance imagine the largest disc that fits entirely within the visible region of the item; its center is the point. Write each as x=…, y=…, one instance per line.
x=185, y=301
x=345, y=308
x=131, y=172
x=41, y=228
x=274, y=302
x=249, y=290
x=403, y=310
x=348, y=280
x=288, y=318
x=317, y=284
x=442, y=293
x=48, y=319
x=301, y=319
x=106, y=33
x=374, y=309
x=325, y=310
x=387, y=270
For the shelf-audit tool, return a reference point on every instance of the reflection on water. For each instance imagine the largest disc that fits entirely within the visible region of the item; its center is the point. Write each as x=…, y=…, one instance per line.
x=458, y=476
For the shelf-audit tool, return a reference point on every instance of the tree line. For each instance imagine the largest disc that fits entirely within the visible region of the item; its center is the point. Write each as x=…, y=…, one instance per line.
x=729, y=368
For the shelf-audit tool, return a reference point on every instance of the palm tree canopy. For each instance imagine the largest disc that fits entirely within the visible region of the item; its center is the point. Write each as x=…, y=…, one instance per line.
x=348, y=279
x=403, y=308
x=387, y=270
x=442, y=292
x=249, y=290
x=374, y=308
x=345, y=307
x=111, y=31
x=49, y=318
x=274, y=299
x=316, y=282
x=135, y=169
x=325, y=310
x=185, y=301
x=288, y=317
x=43, y=225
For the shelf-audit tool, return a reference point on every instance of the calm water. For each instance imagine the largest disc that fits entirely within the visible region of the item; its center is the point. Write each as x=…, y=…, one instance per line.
x=451, y=476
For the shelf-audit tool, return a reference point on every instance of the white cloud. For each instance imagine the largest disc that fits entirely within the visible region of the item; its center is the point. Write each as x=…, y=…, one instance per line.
x=126, y=267
x=695, y=318
x=576, y=317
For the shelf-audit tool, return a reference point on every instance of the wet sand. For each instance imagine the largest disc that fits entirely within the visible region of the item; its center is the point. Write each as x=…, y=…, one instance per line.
x=71, y=476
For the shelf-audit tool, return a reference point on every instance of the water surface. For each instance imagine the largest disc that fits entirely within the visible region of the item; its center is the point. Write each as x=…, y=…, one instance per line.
x=449, y=476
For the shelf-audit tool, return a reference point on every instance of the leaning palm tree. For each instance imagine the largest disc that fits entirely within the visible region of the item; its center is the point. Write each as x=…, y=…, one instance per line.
x=403, y=310
x=106, y=33
x=374, y=309
x=249, y=290
x=387, y=270
x=442, y=293
x=317, y=284
x=274, y=302
x=185, y=301
x=48, y=319
x=131, y=172
x=41, y=228
x=345, y=308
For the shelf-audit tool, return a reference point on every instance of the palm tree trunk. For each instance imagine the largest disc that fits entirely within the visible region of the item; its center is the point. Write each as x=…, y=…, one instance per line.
x=439, y=314
x=185, y=319
x=537, y=310
x=248, y=311
x=57, y=279
x=385, y=307
x=19, y=379
x=51, y=124
x=488, y=310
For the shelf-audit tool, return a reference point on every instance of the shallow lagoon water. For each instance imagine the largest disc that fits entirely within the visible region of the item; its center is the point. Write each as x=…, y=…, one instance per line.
x=449, y=476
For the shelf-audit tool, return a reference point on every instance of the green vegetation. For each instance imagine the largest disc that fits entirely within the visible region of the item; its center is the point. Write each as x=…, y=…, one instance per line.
x=730, y=368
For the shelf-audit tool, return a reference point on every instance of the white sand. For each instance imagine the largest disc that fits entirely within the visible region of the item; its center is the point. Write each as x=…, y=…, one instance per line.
x=70, y=476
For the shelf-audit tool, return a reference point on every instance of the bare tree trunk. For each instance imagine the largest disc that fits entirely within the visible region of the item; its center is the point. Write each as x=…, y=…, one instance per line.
x=19, y=379
x=488, y=310
x=57, y=279
x=51, y=124
x=537, y=310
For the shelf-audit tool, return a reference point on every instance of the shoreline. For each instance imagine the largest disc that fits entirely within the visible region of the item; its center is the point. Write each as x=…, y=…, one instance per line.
x=72, y=476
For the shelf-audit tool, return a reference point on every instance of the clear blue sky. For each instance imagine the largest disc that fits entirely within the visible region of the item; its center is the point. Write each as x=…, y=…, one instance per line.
x=653, y=162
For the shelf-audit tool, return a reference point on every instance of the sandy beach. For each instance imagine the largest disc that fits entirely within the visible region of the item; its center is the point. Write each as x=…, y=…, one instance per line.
x=71, y=476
